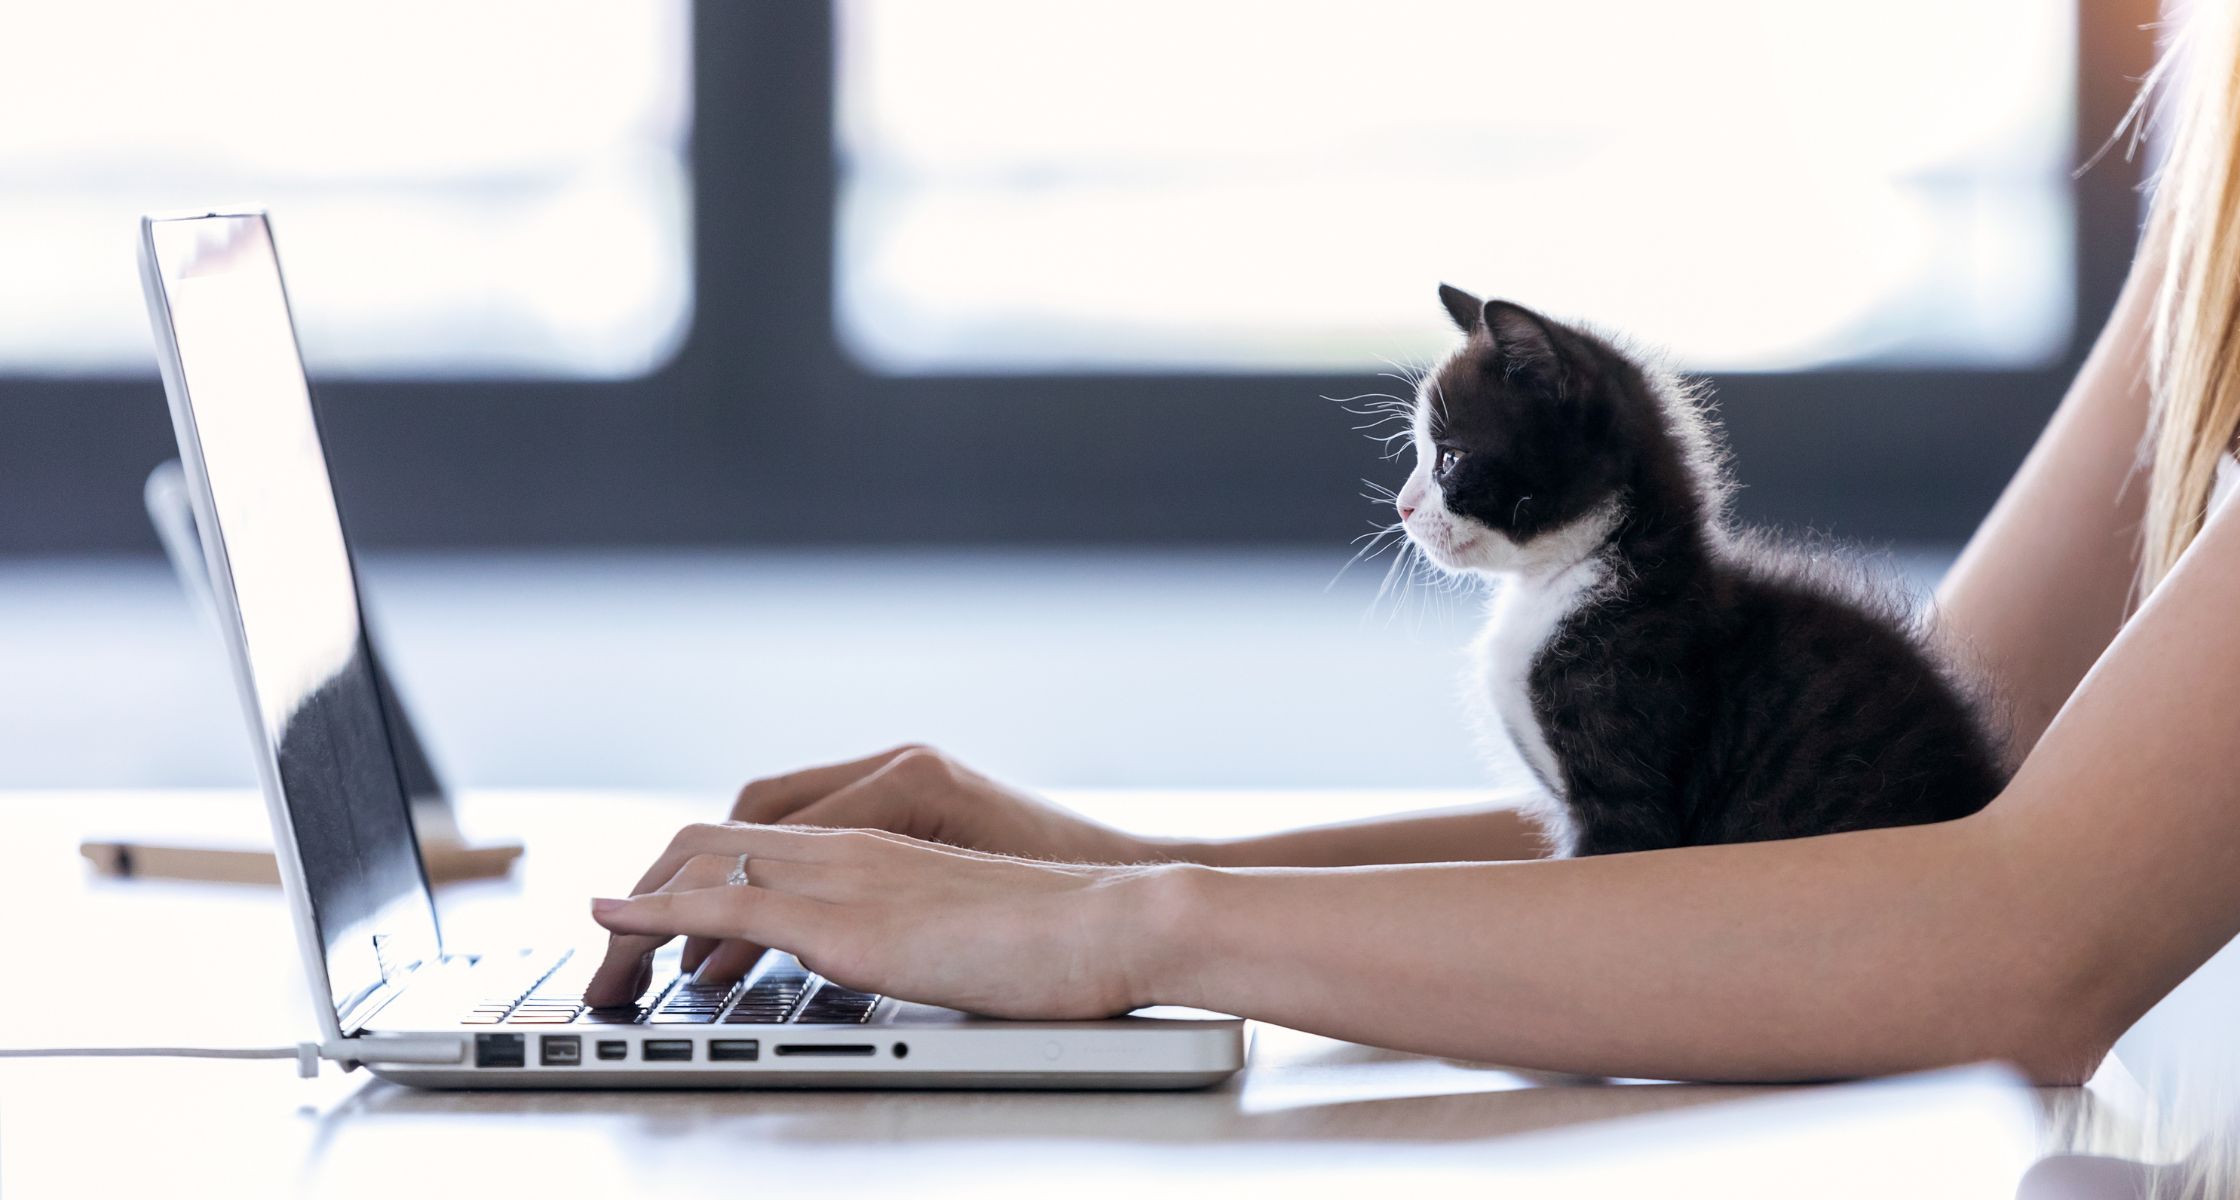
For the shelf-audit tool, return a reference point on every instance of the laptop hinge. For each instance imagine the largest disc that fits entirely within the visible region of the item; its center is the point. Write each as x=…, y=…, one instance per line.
x=353, y=1020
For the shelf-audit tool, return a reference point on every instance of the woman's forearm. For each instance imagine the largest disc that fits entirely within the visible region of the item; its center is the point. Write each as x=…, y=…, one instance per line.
x=1849, y=955
x=1485, y=834
x=2044, y=584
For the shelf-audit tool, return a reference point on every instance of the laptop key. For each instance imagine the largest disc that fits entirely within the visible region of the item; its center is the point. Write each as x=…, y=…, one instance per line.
x=836, y=1005
x=831, y=1018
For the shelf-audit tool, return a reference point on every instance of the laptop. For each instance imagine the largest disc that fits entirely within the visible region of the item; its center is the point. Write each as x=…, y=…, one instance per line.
x=388, y=993
x=171, y=515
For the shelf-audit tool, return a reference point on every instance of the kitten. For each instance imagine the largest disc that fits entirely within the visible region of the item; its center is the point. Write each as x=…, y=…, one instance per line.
x=1669, y=680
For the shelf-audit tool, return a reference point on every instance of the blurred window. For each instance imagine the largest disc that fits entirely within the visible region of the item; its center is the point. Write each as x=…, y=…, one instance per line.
x=1239, y=185
x=496, y=188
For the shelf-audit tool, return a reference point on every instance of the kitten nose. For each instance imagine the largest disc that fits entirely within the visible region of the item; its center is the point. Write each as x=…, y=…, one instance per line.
x=1406, y=509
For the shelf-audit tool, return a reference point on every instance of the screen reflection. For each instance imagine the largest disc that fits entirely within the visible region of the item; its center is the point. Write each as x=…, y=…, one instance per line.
x=278, y=537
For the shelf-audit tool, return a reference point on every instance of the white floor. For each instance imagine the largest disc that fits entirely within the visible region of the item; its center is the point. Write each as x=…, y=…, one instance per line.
x=701, y=671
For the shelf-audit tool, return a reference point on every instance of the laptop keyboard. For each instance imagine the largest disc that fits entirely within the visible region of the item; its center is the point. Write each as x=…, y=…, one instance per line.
x=782, y=993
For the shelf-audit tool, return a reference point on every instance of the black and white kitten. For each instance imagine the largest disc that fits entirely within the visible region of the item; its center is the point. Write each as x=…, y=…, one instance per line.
x=1669, y=680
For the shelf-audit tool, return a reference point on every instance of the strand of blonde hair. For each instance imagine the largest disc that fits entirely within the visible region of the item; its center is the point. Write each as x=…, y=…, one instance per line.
x=2194, y=364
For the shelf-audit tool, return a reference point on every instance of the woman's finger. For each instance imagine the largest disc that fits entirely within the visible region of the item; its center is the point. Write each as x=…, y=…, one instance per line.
x=792, y=923
x=728, y=961
x=697, y=949
x=834, y=882
x=696, y=952
x=621, y=973
x=721, y=961
x=766, y=801
x=728, y=843
x=927, y=837
x=755, y=841
x=879, y=800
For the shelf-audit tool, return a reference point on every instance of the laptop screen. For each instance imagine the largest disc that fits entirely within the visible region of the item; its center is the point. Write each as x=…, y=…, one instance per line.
x=245, y=423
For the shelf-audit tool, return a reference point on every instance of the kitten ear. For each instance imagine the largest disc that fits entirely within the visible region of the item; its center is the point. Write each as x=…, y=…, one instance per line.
x=1462, y=306
x=1520, y=334
x=1528, y=344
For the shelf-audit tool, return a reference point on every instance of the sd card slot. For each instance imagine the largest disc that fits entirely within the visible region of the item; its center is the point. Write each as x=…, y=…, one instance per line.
x=826, y=1050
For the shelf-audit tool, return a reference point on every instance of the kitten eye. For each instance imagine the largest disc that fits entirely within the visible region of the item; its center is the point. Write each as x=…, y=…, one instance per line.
x=1447, y=460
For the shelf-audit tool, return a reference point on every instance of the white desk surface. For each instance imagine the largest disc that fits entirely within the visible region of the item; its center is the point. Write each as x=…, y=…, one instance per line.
x=90, y=960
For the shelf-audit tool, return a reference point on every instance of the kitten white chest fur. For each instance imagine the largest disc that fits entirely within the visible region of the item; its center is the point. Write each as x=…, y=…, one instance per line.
x=1523, y=616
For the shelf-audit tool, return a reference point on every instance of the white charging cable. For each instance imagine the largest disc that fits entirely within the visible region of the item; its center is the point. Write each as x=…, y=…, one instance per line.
x=350, y=1052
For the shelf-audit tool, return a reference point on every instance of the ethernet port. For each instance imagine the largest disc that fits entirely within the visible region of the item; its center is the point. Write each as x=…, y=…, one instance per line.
x=500, y=1050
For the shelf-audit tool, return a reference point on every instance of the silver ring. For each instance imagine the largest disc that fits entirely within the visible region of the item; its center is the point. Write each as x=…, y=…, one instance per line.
x=738, y=875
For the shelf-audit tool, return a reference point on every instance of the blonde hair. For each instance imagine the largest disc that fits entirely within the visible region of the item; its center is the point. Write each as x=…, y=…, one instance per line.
x=2194, y=359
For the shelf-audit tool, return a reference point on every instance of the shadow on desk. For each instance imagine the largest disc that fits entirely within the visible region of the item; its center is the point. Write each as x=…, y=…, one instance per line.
x=1345, y=1118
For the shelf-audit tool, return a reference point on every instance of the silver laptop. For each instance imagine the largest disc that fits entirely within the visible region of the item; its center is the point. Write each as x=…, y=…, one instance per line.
x=389, y=995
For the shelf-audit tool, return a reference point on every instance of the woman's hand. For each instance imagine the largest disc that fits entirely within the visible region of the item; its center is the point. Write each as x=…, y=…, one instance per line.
x=924, y=794
x=917, y=792
x=884, y=913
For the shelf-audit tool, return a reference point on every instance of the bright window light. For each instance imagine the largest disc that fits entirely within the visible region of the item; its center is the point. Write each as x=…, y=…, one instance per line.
x=1139, y=185
x=496, y=188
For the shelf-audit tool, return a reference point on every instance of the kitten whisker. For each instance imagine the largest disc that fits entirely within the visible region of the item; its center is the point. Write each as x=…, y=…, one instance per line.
x=1409, y=374
x=1373, y=549
x=1395, y=445
x=1384, y=586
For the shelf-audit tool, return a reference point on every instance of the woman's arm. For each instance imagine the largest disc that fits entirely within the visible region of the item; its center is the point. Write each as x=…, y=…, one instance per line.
x=919, y=791
x=2035, y=931
x=2047, y=579
x=1481, y=833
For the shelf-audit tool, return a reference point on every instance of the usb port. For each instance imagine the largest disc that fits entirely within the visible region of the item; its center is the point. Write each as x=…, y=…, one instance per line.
x=555, y=1050
x=734, y=1050
x=613, y=1051
x=667, y=1050
x=500, y=1050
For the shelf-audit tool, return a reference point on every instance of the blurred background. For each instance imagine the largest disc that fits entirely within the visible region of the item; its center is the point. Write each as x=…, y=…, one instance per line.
x=714, y=387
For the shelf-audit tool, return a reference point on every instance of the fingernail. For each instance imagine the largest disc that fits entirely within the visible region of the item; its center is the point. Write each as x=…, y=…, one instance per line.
x=601, y=906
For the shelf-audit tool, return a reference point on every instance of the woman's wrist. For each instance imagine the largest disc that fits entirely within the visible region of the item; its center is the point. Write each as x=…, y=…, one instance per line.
x=1165, y=850
x=1157, y=926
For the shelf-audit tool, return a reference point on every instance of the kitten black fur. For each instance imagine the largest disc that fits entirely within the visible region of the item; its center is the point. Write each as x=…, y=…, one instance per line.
x=1710, y=686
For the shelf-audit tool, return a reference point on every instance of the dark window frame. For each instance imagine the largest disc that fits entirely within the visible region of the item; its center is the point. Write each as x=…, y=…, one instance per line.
x=763, y=431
